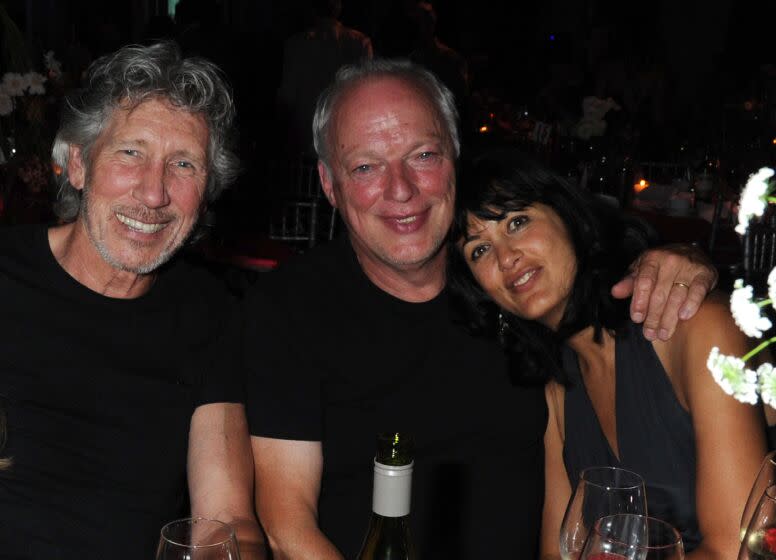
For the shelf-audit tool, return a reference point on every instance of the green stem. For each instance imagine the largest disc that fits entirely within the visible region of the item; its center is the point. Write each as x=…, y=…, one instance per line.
x=764, y=302
x=757, y=348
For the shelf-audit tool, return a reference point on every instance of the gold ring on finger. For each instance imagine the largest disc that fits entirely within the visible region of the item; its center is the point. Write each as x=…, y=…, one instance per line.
x=682, y=284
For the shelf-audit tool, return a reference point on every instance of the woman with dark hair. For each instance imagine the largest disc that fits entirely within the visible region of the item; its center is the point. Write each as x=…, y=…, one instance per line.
x=535, y=263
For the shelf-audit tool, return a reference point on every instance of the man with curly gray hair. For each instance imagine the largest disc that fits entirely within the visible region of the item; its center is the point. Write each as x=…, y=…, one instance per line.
x=117, y=372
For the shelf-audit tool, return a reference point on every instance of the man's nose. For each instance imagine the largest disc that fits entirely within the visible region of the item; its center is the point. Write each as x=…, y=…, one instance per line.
x=152, y=189
x=401, y=186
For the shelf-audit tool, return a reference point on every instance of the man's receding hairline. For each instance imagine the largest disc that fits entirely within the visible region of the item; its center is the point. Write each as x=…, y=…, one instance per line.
x=446, y=135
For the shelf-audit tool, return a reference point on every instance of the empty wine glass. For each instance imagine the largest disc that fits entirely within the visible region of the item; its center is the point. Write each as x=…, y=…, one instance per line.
x=627, y=536
x=759, y=542
x=601, y=491
x=197, y=539
x=766, y=477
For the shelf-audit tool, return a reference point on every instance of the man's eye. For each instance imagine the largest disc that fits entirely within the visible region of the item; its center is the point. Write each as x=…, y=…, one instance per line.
x=516, y=222
x=130, y=152
x=183, y=167
x=363, y=168
x=426, y=155
x=478, y=251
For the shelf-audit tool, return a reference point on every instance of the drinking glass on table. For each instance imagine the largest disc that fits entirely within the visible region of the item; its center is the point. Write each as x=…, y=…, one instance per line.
x=759, y=542
x=197, y=539
x=765, y=478
x=601, y=491
x=627, y=536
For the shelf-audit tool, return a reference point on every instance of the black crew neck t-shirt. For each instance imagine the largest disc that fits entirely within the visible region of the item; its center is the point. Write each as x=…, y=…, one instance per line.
x=332, y=358
x=99, y=394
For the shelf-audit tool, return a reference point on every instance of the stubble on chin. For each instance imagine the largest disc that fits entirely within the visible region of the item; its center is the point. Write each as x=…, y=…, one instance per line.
x=141, y=268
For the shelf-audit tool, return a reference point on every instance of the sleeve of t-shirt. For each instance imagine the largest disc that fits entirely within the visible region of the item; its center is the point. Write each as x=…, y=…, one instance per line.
x=283, y=396
x=221, y=372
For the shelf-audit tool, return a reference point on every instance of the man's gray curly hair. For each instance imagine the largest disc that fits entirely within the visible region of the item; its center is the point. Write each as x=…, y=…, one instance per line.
x=127, y=78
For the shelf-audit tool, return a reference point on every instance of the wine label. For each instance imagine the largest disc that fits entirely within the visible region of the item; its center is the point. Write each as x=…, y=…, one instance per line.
x=392, y=490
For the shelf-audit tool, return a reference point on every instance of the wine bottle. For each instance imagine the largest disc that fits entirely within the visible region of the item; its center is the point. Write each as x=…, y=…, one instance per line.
x=388, y=536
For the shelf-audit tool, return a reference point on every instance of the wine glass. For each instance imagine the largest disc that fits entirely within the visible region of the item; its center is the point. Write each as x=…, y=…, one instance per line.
x=765, y=478
x=197, y=538
x=601, y=491
x=628, y=536
x=759, y=542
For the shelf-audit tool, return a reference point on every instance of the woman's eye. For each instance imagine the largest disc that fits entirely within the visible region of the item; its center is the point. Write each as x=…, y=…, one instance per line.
x=365, y=168
x=478, y=251
x=424, y=156
x=130, y=152
x=516, y=222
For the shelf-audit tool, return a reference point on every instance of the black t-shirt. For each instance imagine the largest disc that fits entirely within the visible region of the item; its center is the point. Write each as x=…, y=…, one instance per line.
x=332, y=358
x=99, y=394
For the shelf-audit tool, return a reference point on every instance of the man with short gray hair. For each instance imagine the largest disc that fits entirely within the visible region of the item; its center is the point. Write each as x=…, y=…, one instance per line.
x=116, y=371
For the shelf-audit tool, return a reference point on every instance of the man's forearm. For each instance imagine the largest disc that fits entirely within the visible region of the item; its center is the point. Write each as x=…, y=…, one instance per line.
x=303, y=544
x=250, y=539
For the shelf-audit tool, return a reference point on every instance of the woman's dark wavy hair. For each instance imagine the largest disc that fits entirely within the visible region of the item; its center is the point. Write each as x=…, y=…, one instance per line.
x=503, y=180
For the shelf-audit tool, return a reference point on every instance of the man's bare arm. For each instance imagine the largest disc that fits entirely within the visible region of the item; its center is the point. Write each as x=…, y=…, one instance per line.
x=288, y=481
x=221, y=473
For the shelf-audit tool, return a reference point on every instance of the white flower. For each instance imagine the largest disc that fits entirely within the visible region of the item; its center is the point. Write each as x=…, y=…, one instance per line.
x=6, y=104
x=35, y=83
x=745, y=312
x=595, y=108
x=52, y=65
x=587, y=128
x=753, y=198
x=772, y=287
x=731, y=375
x=14, y=84
x=767, y=380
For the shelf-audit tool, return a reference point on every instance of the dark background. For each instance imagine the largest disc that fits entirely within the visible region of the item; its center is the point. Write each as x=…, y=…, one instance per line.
x=714, y=61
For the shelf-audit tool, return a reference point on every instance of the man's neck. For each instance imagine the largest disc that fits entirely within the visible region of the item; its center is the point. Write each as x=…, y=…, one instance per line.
x=413, y=284
x=76, y=254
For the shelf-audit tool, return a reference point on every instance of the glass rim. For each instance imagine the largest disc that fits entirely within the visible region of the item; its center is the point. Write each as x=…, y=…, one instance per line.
x=193, y=521
x=654, y=520
x=639, y=480
x=770, y=492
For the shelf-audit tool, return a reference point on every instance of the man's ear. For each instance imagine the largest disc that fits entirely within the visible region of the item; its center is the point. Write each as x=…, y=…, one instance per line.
x=327, y=183
x=76, y=168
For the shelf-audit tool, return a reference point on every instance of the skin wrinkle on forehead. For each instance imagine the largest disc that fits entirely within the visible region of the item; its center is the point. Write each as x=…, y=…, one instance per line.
x=388, y=122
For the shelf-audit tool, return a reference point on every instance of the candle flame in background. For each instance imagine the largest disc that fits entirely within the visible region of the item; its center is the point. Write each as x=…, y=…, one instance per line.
x=484, y=129
x=773, y=141
x=641, y=185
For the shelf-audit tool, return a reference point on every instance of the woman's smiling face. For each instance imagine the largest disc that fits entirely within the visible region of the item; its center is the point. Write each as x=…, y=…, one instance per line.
x=525, y=262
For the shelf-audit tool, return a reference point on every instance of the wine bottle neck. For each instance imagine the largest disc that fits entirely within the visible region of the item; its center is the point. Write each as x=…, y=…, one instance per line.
x=392, y=490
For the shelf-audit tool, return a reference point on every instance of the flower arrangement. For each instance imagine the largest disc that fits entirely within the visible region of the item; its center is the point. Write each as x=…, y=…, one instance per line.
x=22, y=105
x=731, y=372
x=592, y=122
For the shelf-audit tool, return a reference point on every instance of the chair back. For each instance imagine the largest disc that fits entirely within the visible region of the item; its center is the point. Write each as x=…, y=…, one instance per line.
x=301, y=215
x=663, y=172
x=759, y=252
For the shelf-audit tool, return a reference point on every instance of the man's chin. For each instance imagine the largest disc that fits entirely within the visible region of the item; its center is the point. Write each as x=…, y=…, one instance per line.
x=138, y=262
x=413, y=257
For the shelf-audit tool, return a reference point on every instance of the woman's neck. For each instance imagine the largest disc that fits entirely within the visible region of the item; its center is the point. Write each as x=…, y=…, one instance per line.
x=595, y=358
